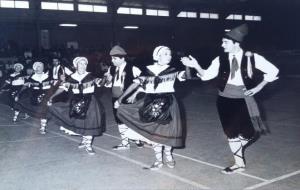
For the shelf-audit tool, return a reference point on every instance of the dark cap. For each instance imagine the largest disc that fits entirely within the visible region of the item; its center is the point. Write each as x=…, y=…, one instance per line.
x=238, y=33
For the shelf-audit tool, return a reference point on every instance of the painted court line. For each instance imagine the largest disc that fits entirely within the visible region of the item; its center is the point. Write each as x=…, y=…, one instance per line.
x=181, y=179
x=273, y=180
x=28, y=140
x=204, y=163
x=9, y=125
x=182, y=156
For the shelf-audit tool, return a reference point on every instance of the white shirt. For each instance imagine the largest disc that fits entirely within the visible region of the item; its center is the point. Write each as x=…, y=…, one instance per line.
x=269, y=70
x=55, y=72
x=120, y=81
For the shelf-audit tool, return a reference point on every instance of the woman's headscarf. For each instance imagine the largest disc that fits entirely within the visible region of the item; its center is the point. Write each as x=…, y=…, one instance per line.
x=76, y=60
x=158, y=51
x=36, y=64
x=18, y=65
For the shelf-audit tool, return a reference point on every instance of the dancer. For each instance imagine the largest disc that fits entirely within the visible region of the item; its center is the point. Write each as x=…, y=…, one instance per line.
x=119, y=76
x=34, y=100
x=58, y=73
x=83, y=114
x=155, y=118
x=13, y=84
x=237, y=108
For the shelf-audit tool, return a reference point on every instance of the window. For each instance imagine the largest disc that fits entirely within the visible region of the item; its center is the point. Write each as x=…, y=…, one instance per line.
x=131, y=11
x=14, y=4
x=209, y=15
x=100, y=9
x=22, y=4
x=156, y=12
x=234, y=17
x=185, y=14
x=49, y=6
x=57, y=6
x=92, y=8
x=252, y=18
x=65, y=6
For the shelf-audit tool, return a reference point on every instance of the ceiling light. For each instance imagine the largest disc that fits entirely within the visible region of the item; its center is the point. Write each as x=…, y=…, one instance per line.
x=130, y=27
x=68, y=25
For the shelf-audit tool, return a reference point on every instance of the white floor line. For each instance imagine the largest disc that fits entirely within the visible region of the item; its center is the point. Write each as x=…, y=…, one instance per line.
x=189, y=158
x=9, y=125
x=273, y=180
x=28, y=140
x=202, y=162
x=184, y=180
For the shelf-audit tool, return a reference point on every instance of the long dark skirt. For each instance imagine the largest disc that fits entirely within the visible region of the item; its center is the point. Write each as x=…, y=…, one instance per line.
x=235, y=117
x=26, y=105
x=62, y=97
x=8, y=96
x=170, y=134
x=93, y=124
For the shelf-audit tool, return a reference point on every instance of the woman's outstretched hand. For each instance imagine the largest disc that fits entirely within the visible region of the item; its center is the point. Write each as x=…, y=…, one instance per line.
x=189, y=61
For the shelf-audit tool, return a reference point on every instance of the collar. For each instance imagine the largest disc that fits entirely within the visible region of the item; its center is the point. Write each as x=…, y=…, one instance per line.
x=121, y=68
x=156, y=69
x=238, y=55
x=39, y=77
x=15, y=74
x=79, y=77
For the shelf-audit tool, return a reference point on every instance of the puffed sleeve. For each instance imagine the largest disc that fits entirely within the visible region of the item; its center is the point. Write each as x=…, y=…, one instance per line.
x=269, y=70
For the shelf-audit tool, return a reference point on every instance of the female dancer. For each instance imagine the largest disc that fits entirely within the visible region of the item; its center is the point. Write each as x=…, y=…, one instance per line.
x=34, y=101
x=155, y=118
x=83, y=114
x=13, y=84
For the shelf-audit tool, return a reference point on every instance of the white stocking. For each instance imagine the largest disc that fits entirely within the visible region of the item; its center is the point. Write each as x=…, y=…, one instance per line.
x=236, y=148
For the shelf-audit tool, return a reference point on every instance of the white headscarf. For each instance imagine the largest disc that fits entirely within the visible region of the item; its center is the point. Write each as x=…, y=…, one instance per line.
x=18, y=65
x=158, y=51
x=35, y=64
x=76, y=60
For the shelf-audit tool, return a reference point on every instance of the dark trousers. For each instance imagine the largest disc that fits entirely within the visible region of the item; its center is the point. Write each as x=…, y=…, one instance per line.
x=234, y=117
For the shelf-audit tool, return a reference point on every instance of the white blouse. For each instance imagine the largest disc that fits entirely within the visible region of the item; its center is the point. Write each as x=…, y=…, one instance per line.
x=41, y=78
x=88, y=89
x=166, y=84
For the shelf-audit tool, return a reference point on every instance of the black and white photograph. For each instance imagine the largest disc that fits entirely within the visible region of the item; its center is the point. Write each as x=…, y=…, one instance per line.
x=149, y=95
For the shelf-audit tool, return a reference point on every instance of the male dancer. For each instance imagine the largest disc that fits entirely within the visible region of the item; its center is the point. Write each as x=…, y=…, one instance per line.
x=238, y=111
x=119, y=76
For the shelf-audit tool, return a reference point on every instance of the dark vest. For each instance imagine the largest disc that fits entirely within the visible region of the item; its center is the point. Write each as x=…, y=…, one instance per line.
x=224, y=72
x=128, y=76
x=60, y=72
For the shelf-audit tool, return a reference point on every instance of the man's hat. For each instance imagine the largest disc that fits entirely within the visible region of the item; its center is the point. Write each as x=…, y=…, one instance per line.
x=238, y=33
x=117, y=51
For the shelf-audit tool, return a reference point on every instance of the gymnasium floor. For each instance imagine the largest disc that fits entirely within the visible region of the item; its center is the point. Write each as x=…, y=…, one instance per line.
x=30, y=161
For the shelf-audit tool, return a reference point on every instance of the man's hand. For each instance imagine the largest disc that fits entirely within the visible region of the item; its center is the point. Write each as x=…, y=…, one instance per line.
x=252, y=91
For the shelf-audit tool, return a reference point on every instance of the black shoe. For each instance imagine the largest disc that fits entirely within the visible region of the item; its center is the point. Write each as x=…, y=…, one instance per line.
x=121, y=147
x=139, y=144
x=233, y=169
